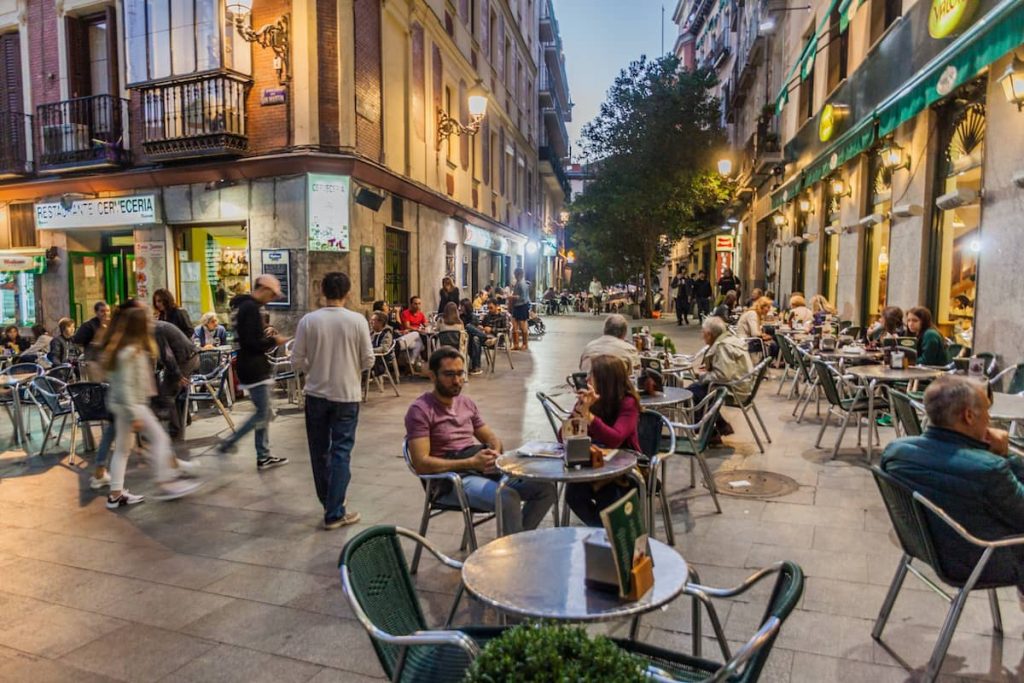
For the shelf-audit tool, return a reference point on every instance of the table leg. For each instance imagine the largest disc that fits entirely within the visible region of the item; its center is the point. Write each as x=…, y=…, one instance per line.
x=871, y=417
x=634, y=627
x=497, y=505
x=19, y=428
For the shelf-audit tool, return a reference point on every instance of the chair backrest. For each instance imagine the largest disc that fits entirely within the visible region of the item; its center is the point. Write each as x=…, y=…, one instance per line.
x=555, y=413
x=788, y=589
x=652, y=364
x=454, y=338
x=379, y=582
x=902, y=509
x=1016, y=385
x=788, y=354
x=760, y=372
x=906, y=414
x=65, y=373
x=209, y=362
x=854, y=331
x=649, y=429
x=48, y=391
x=954, y=350
x=90, y=401
x=712, y=405
x=989, y=359
x=827, y=380
x=22, y=369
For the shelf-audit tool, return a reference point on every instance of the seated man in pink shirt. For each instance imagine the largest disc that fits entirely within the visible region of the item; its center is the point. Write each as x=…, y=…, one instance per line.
x=447, y=434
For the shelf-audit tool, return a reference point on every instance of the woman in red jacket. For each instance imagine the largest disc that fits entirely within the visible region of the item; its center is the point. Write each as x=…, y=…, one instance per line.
x=611, y=407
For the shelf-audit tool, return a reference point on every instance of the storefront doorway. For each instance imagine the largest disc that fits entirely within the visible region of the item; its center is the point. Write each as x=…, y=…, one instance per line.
x=212, y=267
x=101, y=267
x=396, y=267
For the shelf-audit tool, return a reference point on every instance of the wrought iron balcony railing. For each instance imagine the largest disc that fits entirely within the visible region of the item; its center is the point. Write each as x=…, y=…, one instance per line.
x=199, y=116
x=82, y=133
x=14, y=136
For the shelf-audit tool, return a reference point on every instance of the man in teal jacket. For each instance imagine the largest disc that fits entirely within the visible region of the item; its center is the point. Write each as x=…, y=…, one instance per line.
x=961, y=464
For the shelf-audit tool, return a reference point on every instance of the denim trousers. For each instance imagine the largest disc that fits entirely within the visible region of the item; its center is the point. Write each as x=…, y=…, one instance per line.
x=331, y=433
x=477, y=338
x=258, y=421
x=538, y=497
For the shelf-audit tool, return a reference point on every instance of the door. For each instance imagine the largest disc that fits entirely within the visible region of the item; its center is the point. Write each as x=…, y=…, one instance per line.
x=88, y=280
x=396, y=266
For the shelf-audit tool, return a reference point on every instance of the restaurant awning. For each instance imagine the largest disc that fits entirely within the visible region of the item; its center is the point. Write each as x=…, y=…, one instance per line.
x=805, y=62
x=27, y=260
x=787, y=191
x=988, y=39
x=849, y=145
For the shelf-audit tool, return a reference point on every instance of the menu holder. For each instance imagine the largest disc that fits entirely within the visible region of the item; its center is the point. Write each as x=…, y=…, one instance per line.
x=623, y=522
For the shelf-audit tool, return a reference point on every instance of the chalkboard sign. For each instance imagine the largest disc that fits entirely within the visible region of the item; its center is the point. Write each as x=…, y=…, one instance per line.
x=367, y=273
x=277, y=262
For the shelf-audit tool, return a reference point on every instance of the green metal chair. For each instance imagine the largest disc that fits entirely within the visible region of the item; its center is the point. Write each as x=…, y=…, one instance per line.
x=791, y=363
x=1016, y=375
x=651, y=430
x=746, y=403
x=693, y=439
x=378, y=586
x=844, y=401
x=747, y=664
x=916, y=520
x=905, y=411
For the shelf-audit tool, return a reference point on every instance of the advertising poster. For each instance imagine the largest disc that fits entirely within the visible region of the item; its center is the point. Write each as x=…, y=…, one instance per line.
x=328, y=212
x=277, y=262
x=150, y=268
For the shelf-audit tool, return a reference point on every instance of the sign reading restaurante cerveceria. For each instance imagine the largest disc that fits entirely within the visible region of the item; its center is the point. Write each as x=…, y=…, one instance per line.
x=97, y=213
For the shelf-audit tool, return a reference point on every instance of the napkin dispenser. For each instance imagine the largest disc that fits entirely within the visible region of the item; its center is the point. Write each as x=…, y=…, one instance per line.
x=600, y=563
x=577, y=451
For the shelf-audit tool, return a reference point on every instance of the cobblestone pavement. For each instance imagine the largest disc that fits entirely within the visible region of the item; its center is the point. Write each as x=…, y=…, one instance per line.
x=238, y=583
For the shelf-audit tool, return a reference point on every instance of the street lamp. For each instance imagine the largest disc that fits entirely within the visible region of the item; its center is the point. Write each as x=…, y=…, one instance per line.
x=725, y=167
x=804, y=205
x=1012, y=81
x=531, y=247
x=839, y=189
x=570, y=258
x=891, y=156
x=448, y=126
x=275, y=36
x=779, y=220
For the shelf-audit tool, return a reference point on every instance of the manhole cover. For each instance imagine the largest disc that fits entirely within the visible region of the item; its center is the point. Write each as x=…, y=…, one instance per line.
x=754, y=484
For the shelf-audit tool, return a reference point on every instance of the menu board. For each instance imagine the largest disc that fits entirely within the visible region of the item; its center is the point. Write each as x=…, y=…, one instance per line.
x=150, y=268
x=623, y=522
x=277, y=262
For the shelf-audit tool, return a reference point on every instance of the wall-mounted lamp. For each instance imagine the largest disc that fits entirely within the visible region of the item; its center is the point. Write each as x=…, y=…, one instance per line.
x=803, y=205
x=570, y=257
x=725, y=167
x=892, y=156
x=532, y=247
x=1012, y=81
x=563, y=216
x=779, y=220
x=448, y=126
x=276, y=36
x=839, y=188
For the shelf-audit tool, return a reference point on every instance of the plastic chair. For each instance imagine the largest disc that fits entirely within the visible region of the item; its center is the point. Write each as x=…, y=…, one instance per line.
x=456, y=339
x=693, y=439
x=915, y=519
x=378, y=586
x=13, y=394
x=651, y=429
x=90, y=403
x=207, y=382
x=433, y=508
x=843, y=405
x=746, y=404
x=789, y=358
x=749, y=661
x=905, y=410
x=51, y=398
x=281, y=365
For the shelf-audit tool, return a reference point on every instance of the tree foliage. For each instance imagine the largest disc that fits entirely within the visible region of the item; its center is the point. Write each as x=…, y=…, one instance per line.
x=653, y=145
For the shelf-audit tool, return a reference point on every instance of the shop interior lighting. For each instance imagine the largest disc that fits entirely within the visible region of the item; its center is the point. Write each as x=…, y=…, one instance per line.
x=892, y=156
x=725, y=226
x=448, y=126
x=276, y=36
x=1012, y=81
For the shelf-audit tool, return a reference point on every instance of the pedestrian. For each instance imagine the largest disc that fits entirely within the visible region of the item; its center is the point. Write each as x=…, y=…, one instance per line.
x=596, y=289
x=167, y=310
x=253, y=368
x=128, y=361
x=89, y=338
x=520, y=305
x=728, y=282
x=702, y=293
x=177, y=359
x=683, y=289
x=332, y=347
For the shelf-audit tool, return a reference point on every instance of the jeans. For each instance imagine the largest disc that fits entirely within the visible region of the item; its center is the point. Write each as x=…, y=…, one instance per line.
x=331, y=433
x=259, y=421
x=538, y=497
x=159, y=444
x=103, y=450
x=586, y=502
x=477, y=338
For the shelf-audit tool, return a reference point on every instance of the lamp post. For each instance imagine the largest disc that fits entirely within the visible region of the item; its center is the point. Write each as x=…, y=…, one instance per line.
x=276, y=36
x=448, y=126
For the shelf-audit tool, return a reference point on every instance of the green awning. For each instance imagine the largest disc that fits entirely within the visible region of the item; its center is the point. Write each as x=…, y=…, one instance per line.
x=787, y=192
x=847, y=10
x=849, y=145
x=991, y=37
x=806, y=58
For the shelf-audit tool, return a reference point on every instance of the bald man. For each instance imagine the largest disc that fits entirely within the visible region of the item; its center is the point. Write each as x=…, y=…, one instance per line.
x=253, y=367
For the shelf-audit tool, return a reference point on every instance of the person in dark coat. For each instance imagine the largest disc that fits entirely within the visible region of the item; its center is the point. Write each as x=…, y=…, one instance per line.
x=253, y=367
x=728, y=282
x=702, y=293
x=962, y=465
x=167, y=310
x=89, y=338
x=448, y=293
x=683, y=287
x=177, y=359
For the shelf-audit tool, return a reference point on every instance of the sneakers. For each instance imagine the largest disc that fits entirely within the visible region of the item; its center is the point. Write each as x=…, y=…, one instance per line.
x=476, y=371
x=96, y=483
x=124, y=500
x=223, y=450
x=270, y=462
x=345, y=520
x=177, y=488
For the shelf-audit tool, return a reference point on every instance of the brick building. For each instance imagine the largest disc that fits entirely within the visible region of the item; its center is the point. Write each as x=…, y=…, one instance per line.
x=148, y=144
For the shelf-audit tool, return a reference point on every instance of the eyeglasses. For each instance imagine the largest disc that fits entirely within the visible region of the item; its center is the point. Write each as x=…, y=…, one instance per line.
x=452, y=374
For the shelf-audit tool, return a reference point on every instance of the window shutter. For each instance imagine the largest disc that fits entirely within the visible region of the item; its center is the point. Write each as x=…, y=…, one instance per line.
x=10, y=73
x=112, y=65
x=78, y=57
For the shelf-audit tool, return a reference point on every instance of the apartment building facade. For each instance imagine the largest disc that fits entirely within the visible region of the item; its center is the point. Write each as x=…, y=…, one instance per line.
x=192, y=144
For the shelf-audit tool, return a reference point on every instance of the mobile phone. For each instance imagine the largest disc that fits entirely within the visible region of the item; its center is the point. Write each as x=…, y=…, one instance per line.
x=579, y=381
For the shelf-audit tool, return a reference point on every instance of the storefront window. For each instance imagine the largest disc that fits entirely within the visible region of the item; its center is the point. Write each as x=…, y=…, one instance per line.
x=396, y=267
x=830, y=246
x=216, y=270
x=17, y=299
x=877, y=243
x=958, y=231
x=799, y=254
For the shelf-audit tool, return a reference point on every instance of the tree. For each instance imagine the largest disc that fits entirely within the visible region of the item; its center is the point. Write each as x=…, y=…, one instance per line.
x=654, y=144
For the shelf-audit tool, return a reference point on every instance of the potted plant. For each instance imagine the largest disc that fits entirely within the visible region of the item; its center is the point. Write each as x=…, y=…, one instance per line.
x=543, y=653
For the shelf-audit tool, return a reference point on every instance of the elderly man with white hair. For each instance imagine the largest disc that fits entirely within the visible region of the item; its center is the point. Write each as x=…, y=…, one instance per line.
x=611, y=343
x=725, y=359
x=962, y=465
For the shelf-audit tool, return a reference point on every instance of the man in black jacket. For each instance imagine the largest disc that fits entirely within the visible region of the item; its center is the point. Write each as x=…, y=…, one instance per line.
x=89, y=337
x=178, y=358
x=683, y=288
x=253, y=367
x=702, y=292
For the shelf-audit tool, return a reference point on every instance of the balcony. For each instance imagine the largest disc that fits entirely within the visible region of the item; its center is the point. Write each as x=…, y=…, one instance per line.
x=763, y=151
x=14, y=133
x=202, y=116
x=548, y=154
x=85, y=133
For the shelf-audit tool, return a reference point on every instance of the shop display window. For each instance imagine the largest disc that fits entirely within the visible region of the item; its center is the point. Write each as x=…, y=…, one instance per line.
x=876, y=281
x=17, y=299
x=830, y=246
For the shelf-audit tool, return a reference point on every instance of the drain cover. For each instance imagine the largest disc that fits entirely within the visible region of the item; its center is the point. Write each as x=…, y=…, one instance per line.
x=754, y=484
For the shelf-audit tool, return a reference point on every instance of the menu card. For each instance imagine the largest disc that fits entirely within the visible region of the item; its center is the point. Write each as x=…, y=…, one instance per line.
x=623, y=522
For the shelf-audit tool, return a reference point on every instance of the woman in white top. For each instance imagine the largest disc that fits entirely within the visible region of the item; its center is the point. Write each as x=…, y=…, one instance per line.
x=798, y=311
x=749, y=325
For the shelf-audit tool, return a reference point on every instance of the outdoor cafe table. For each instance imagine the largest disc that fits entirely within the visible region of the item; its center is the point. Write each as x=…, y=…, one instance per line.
x=541, y=574
x=669, y=396
x=514, y=467
x=883, y=374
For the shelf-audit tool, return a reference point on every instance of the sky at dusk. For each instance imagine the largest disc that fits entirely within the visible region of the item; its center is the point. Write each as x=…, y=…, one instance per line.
x=600, y=37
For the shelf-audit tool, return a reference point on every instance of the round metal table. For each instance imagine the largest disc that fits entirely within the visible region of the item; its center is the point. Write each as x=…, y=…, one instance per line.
x=883, y=374
x=541, y=574
x=515, y=467
x=1009, y=407
x=669, y=396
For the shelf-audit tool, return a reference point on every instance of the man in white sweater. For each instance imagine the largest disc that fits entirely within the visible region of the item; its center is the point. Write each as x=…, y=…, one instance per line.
x=332, y=348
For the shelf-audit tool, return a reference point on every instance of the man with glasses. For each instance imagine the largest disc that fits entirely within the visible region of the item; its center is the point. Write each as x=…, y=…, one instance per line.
x=447, y=434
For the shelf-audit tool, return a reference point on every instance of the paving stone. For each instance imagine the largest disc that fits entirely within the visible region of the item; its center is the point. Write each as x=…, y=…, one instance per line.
x=228, y=664
x=137, y=653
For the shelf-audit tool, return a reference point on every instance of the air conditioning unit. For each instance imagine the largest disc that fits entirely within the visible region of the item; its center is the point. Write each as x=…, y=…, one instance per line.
x=808, y=237
x=833, y=230
x=64, y=138
x=956, y=199
x=907, y=210
x=871, y=220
